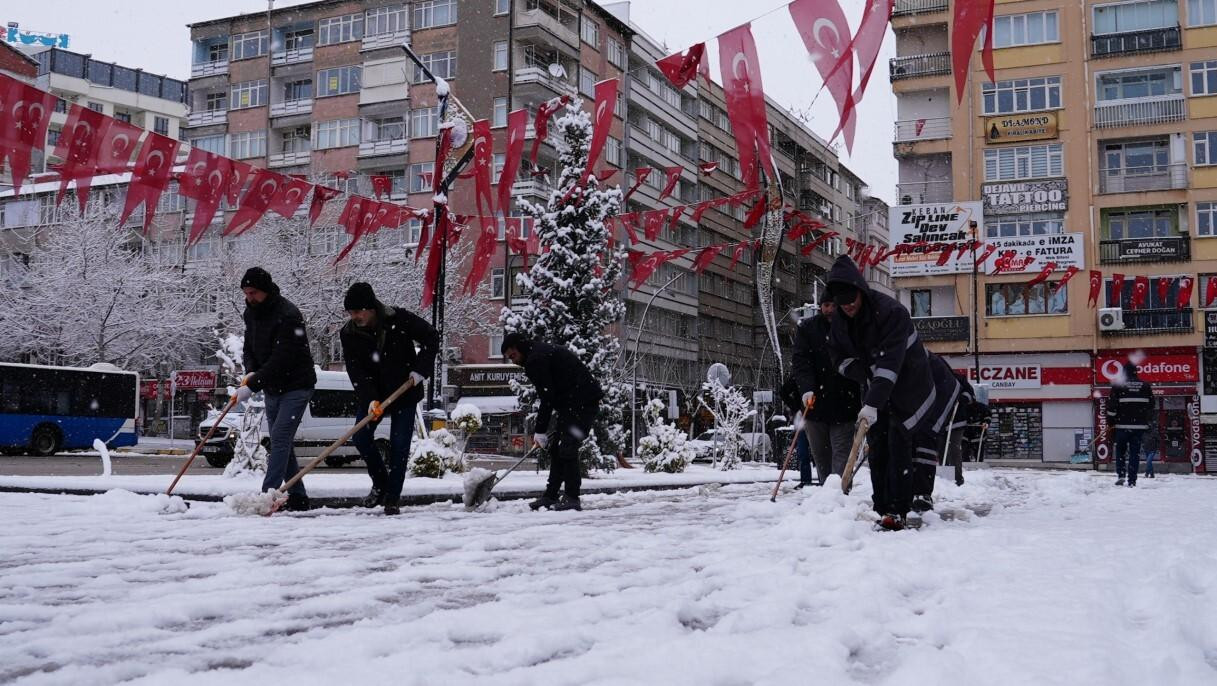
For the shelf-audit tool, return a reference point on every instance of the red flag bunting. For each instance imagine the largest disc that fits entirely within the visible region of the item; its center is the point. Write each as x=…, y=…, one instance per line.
x=289, y=197
x=206, y=180
x=382, y=185
x=1043, y=275
x=706, y=256
x=1164, y=287
x=541, y=125
x=629, y=222
x=150, y=176
x=515, y=241
x=1140, y=292
x=1069, y=273
x=239, y=173
x=674, y=217
x=737, y=253
x=25, y=113
x=756, y=213
x=253, y=205
x=707, y=167
x=869, y=39
x=602, y=122
x=745, y=96
x=673, y=179
x=483, y=154
x=807, y=249
x=680, y=68
x=517, y=127
x=118, y=145
x=1096, y=286
x=1117, y=290
x=423, y=236
x=971, y=16
x=321, y=196
x=640, y=175
x=642, y=265
x=652, y=222
x=1184, y=298
x=825, y=34
x=78, y=147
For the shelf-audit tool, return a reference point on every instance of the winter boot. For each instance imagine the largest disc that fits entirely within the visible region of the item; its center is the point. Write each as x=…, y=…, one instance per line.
x=391, y=509
x=374, y=497
x=545, y=501
x=890, y=523
x=296, y=503
x=568, y=503
x=1132, y=482
x=922, y=503
x=800, y=485
x=1120, y=481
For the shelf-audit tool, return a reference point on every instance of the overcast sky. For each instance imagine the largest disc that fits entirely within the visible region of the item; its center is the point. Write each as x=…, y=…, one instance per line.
x=152, y=35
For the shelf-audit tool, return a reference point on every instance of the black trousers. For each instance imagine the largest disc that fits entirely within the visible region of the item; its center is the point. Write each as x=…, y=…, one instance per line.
x=564, y=468
x=891, y=465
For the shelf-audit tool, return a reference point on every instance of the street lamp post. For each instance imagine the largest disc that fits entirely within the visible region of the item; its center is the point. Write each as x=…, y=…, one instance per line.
x=634, y=385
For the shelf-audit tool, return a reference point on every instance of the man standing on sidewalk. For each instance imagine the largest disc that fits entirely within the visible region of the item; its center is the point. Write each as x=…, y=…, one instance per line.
x=829, y=422
x=1128, y=411
x=383, y=347
x=278, y=361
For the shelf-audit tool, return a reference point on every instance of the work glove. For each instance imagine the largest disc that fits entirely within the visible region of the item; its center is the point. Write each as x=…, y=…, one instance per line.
x=417, y=378
x=243, y=393
x=375, y=410
x=869, y=415
x=809, y=399
x=540, y=440
x=245, y=379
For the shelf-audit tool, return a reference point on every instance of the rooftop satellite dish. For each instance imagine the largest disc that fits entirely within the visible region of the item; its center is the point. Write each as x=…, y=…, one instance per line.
x=719, y=374
x=557, y=71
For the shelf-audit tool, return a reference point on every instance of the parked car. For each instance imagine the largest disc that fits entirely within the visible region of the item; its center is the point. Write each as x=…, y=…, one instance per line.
x=330, y=413
x=757, y=446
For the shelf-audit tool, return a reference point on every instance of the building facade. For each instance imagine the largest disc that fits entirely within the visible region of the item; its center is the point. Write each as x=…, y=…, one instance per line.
x=1091, y=148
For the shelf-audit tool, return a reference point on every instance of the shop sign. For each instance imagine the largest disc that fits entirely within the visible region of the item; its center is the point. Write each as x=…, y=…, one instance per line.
x=1193, y=426
x=1149, y=249
x=1158, y=367
x=1210, y=328
x=194, y=379
x=1102, y=447
x=1025, y=197
x=1031, y=253
x=1021, y=127
x=485, y=380
x=1008, y=376
x=930, y=329
x=932, y=224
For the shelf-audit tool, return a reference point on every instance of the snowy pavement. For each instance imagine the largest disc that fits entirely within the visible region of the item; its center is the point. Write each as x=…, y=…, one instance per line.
x=1065, y=580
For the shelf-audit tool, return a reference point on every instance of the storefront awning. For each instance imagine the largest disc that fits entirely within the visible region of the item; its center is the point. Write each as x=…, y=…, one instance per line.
x=492, y=404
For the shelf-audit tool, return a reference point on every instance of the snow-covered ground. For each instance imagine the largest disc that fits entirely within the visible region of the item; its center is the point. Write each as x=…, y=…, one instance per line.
x=1066, y=580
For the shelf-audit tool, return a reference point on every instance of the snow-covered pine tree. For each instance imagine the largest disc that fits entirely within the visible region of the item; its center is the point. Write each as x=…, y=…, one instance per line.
x=572, y=286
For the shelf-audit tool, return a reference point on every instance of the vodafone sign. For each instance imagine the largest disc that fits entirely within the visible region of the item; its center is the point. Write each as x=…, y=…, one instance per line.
x=1158, y=367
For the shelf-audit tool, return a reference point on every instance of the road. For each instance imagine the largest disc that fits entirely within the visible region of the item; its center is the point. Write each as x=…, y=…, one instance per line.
x=68, y=464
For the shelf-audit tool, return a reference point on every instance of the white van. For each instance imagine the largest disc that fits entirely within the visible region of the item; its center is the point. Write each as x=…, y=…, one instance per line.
x=756, y=446
x=330, y=413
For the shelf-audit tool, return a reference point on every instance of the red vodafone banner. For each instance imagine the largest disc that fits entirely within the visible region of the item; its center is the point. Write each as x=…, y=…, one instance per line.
x=1159, y=366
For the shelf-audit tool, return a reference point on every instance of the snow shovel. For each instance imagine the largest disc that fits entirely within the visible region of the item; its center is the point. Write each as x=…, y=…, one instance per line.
x=232, y=402
x=268, y=503
x=794, y=440
x=847, y=477
x=477, y=490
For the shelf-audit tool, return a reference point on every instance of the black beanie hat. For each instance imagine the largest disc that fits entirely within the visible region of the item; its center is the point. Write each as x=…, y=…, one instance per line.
x=360, y=297
x=259, y=278
x=843, y=293
x=515, y=340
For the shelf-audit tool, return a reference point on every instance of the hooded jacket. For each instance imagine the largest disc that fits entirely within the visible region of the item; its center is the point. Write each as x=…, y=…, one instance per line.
x=564, y=384
x=880, y=349
x=837, y=398
x=380, y=358
x=1130, y=402
x=276, y=346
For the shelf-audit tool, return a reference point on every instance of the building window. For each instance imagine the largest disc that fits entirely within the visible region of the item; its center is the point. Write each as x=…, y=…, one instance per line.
x=171, y=200
x=1025, y=29
x=212, y=102
x=616, y=53
x=1015, y=299
x=212, y=144
x=298, y=90
x=1206, y=219
x=500, y=161
x=388, y=129
x=414, y=230
x=247, y=144
x=499, y=115
x=502, y=6
x=1138, y=223
x=1204, y=78
x=500, y=55
x=296, y=140
x=1145, y=83
x=589, y=31
x=587, y=82
x=441, y=64
x=497, y=283
x=160, y=125
x=1025, y=225
x=432, y=13
x=1201, y=12
x=1137, y=157
x=612, y=151
x=123, y=116
x=420, y=177
x=1024, y=162
x=247, y=45
x=298, y=40
x=1135, y=16
x=217, y=52
x=1204, y=148
x=98, y=107
x=338, y=81
x=247, y=94
x=424, y=122
x=1022, y=95
x=496, y=346
x=384, y=20
x=338, y=133
x=920, y=300
x=340, y=29
x=52, y=138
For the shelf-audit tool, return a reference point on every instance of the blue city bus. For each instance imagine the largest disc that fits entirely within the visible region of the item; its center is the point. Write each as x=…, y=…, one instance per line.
x=47, y=409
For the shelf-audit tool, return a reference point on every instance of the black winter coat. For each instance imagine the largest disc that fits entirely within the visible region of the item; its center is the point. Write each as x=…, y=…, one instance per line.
x=837, y=398
x=564, y=384
x=790, y=396
x=1131, y=402
x=379, y=359
x=880, y=349
x=276, y=347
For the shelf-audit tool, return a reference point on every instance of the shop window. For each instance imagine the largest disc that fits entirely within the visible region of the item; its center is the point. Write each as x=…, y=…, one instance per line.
x=1016, y=432
x=1015, y=299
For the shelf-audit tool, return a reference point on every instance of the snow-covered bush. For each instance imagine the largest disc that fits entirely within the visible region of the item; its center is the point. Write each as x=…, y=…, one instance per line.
x=248, y=453
x=730, y=409
x=664, y=448
x=433, y=456
x=467, y=418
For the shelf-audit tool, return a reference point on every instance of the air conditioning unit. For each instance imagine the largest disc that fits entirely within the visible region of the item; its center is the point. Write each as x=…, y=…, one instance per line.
x=1111, y=319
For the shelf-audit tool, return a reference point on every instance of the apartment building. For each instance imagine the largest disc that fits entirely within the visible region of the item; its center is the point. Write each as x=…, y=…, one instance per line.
x=1092, y=148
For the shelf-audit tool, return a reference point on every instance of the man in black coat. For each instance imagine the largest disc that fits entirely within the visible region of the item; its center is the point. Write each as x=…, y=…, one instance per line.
x=793, y=400
x=567, y=390
x=830, y=401
x=907, y=400
x=278, y=361
x=1128, y=411
x=383, y=347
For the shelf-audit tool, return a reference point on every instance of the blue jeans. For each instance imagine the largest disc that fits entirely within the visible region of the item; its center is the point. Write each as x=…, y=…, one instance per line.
x=283, y=413
x=1128, y=445
x=803, y=449
x=1149, y=463
x=389, y=481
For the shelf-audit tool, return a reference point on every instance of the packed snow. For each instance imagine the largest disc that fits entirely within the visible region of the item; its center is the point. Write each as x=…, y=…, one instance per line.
x=1033, y=578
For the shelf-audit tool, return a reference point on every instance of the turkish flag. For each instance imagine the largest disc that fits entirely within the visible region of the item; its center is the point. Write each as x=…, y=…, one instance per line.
x=1004, y=262
x=948, y=250
x=1117, y=290
x=483, y=161
x=869, y=39
x=25, y=113
x=707, y=167
x=1043, y=275
x=382, y=185
x=706, y=256
x=629, y=222
x=206, y=180
x=674, y=217
x=1096, y=286
x=825, y=34
x=818, y=240
x=700, y=208
x=118, y=145
x=745, y=96
x=680, y=68
x=423, y=235
x=150, y=177
x=756, y=213
x=78, y=146
x=971, y=16
x=602, y=122
x=240, y=173
x=652, y=222
x=1184, y=298
x=1069, y=273
x=640, y=175
x=1140, y=292
x=289, y=196
x=517, y=128
x=642, y=265
x=988, y=251
x=515, y=242
x=673, y=179
x=262, y=190
x=1164, y=287
x=738, y=253
x=541, y=125
x=351, y=217
x=604, y=174
x=321, y=195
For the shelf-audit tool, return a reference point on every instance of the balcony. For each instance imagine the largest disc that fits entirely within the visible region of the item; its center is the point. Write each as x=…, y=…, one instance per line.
x=1133, y=42
x=389, y=146
x=531, y=187
x=203, y=69
x=1164, y=249
x=207, y=118
x=905, y=8
x=922, y=192
x=1158, y=110
x=929, y=129
x=542, y=23
x=1136, y=179
x=389, y=39
x=540, y=77
x=281, y=58
x=930, y=329
x=1158, y=320
x=291, y=107
x=290, y=159
x=920, y=65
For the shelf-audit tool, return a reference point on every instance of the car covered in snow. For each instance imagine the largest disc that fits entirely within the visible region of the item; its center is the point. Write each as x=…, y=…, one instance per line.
x=757, y=446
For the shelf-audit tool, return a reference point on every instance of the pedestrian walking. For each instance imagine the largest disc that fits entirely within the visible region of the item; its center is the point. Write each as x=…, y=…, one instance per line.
x=831, y=402
x=1128, y=411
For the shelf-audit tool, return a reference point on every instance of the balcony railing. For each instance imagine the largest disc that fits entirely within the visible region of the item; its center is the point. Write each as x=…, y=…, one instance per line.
x=525, y=76
x=202, y=69
x=929, y=129
x=1132, y=42
x=567, y=33
x=1135, y=179
x=1157, y=320
x=908, y=7
x=293, y=56
x=920, y=65
x=385, y=40
x=1156, y=110
x=530, y=187
x=290, y=159
x=1164, y=249
x=207, y=118
x=285, y=109
x=389, y=146
x=920, y=192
